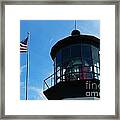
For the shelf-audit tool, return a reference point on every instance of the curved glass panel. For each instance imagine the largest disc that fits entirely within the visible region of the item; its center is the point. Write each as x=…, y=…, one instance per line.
x=59, y=57
x=75, y=51
x=86, y=51
x=65, y=53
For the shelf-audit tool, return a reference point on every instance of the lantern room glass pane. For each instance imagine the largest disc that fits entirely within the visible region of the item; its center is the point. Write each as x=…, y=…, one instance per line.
x=86, y=51
x=59, y=57
x=87, y=62
x=77, y=61
x=75, y=51
x=95, y=53
x=66, y=53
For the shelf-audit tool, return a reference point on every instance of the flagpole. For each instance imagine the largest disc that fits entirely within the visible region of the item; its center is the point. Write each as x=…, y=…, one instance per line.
x=27, y=69
x=75, y=24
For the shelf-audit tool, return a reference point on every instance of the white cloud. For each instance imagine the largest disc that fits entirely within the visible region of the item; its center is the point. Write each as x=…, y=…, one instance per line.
x=22, y=68
x=22, y=84
x=38, y=93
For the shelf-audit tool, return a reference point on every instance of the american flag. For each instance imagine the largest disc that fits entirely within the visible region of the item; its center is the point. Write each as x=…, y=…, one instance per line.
x=23, y=45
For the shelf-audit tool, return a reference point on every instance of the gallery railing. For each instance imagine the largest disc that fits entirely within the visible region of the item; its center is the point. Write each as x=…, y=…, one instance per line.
x=70, y=76
x=48, y=82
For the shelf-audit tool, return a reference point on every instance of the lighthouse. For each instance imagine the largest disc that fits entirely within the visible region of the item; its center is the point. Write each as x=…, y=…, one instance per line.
x=76, y=74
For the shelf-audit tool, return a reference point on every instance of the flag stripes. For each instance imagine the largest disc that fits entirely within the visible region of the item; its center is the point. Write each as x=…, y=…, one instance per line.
x=23, y=50
x=23, y=45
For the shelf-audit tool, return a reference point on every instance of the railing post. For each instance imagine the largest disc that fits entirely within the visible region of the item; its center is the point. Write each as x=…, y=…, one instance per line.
x=51, y=81
x=43, y=85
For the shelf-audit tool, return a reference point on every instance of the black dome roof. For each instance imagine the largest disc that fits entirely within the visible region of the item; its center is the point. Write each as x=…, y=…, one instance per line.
x=76, y=38
x=75, y=32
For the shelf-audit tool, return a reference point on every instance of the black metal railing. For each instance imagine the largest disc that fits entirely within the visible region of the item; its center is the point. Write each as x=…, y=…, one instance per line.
x=71, y=76
x=48, y=82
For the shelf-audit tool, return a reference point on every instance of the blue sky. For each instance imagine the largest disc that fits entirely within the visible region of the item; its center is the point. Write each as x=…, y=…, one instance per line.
x=43, y=35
